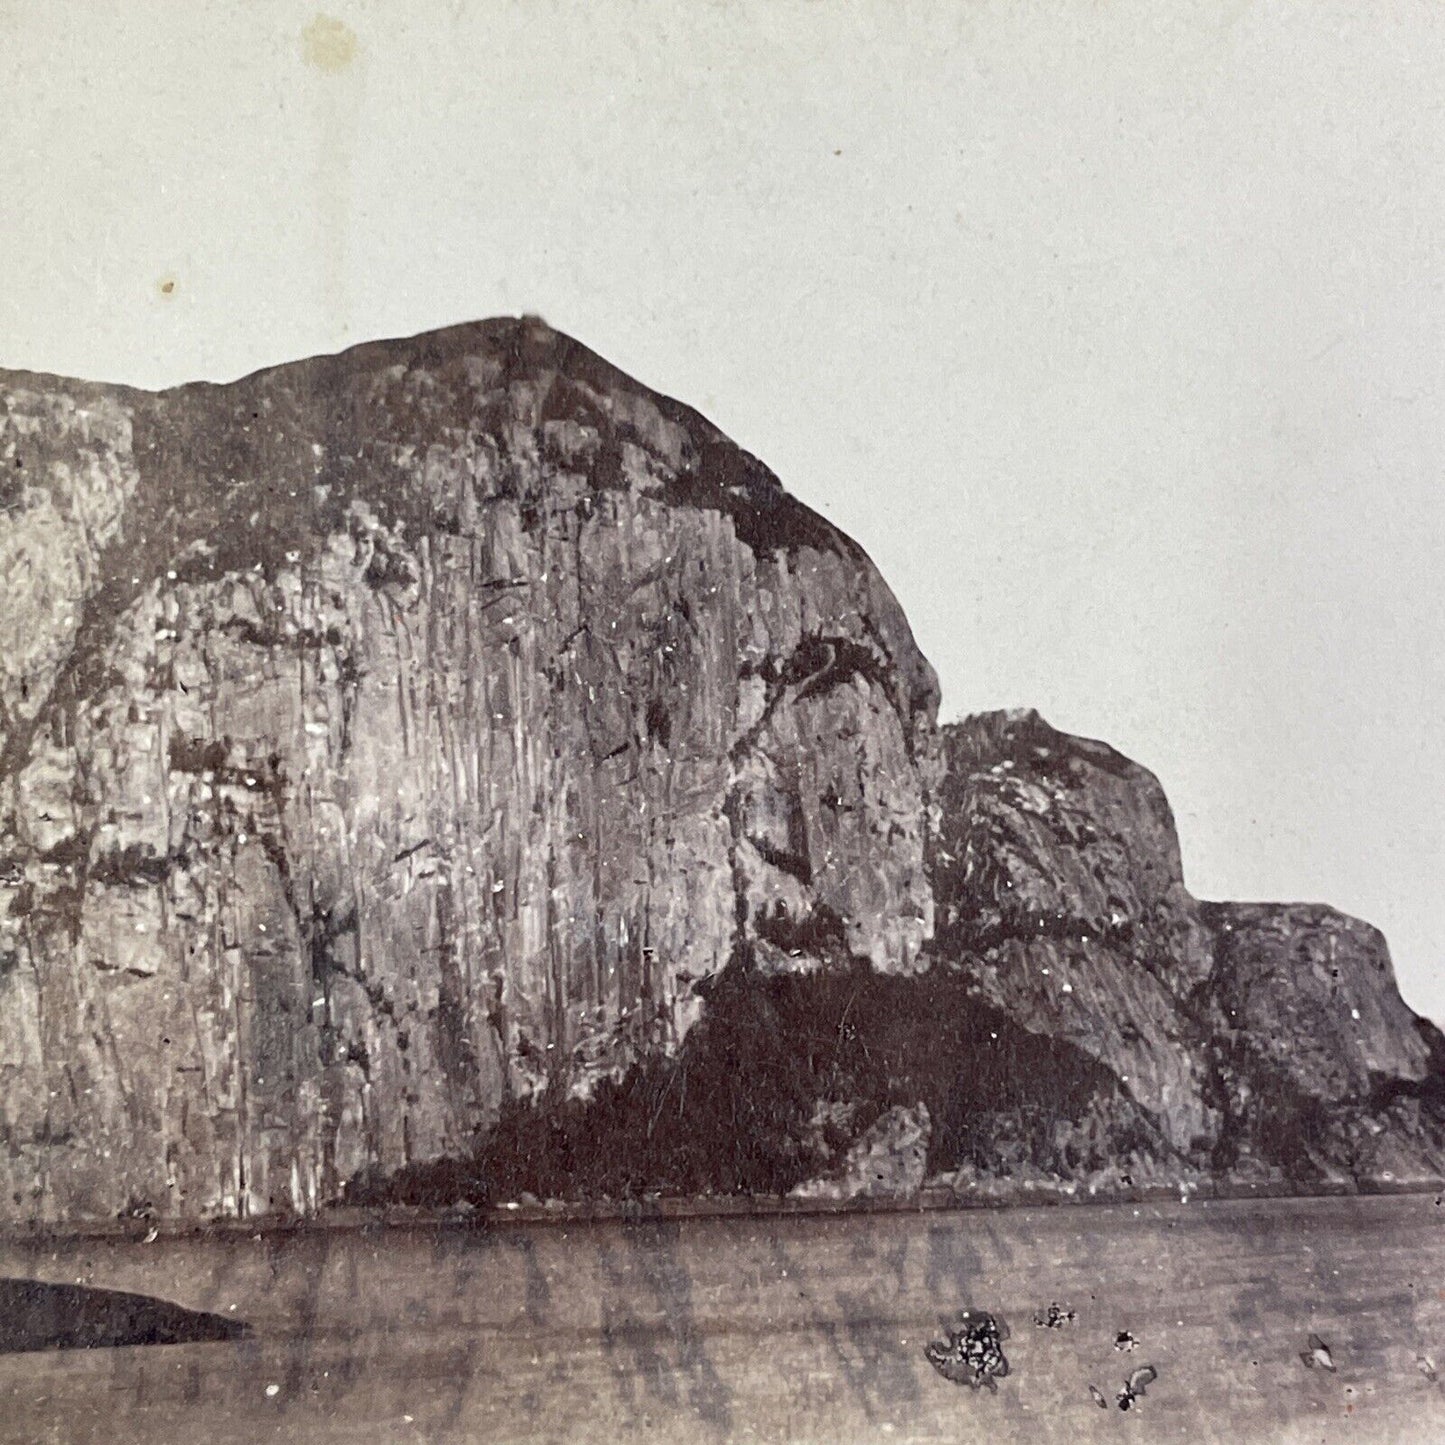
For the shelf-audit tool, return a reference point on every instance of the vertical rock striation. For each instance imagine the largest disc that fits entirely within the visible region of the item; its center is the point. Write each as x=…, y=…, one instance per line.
x=392, y=734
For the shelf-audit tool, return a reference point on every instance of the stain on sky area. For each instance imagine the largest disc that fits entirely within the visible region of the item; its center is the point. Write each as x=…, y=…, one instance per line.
x=331, y=47
x=328, y=44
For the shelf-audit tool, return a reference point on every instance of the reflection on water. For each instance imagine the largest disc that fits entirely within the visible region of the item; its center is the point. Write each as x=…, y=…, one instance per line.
x=789, y=1329
x=39, y=1316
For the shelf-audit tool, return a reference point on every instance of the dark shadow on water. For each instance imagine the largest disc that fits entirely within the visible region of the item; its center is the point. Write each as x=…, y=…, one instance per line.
x=39, y=1316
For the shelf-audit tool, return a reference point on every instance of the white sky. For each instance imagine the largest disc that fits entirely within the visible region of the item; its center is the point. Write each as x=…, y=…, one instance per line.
x=1113, y=331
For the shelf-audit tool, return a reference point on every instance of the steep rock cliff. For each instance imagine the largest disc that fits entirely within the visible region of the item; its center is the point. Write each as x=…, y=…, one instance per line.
x=393, y=734
x=1268, y=1042
x=1059, y=886
x=1082, y=1025
x=449, y=770
x=1325, y=1075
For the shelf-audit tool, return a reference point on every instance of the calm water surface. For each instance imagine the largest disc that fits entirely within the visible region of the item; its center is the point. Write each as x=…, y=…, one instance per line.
x=789, y=1329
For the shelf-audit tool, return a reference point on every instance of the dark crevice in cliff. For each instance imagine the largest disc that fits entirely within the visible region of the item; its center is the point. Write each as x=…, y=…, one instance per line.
x=136, y=866
x=822, y=934
x=82, y=674
x=740, y=953
x=794, y=862
x=1386, y=1089
x=978, y=933
x=816, y=666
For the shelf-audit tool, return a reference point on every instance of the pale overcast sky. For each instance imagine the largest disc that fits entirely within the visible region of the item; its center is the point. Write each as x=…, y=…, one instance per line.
x=1112, y=331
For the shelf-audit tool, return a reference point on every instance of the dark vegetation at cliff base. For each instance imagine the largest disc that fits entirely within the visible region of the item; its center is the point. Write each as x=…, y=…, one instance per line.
x=776, y=1082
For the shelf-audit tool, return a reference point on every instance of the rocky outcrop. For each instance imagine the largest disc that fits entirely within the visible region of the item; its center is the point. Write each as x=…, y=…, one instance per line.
x=450, y=770
x=889, y=1161
x=1311, y=994
x=1059, y=887
x=391, y=735
x=1326, y=1074
x=1267, y=1042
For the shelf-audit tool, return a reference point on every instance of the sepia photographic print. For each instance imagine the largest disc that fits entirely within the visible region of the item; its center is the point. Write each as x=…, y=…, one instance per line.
x=721, y=721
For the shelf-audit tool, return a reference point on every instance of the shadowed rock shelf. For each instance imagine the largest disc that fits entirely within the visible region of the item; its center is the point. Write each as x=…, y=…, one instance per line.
x=449, y=770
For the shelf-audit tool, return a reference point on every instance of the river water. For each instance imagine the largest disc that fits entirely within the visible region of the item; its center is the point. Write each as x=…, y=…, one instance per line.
x=769, y=1329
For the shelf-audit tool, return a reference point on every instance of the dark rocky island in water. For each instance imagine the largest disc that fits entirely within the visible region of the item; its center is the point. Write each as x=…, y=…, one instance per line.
x=449, y=770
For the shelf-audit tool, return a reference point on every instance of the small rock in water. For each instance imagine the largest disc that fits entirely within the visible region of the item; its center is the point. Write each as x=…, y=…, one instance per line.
x=1426, y=1367
x=1136, y=1386
x=1054, y=1318
x=1098, y=1396
x=1124, y=1341
x=1317, y=1356
x=973, y=1353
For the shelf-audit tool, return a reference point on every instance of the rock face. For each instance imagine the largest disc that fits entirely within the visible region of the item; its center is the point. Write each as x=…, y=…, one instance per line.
x=1326, y=1073
x=392, y=734
x=451, y=769
x=1267, y=1042
x=1059, y=886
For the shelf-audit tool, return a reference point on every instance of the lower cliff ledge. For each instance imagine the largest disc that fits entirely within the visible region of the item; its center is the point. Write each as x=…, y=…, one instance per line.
x=861, y=1087
x=841, y=1085
x=787, y=1076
